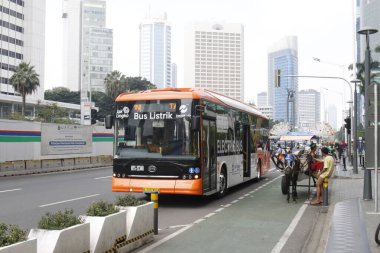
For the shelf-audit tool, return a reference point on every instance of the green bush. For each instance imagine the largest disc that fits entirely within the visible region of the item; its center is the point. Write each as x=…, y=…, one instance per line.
x=128, y=200
x=101, y=208
x=59, y=220
x=10, y=234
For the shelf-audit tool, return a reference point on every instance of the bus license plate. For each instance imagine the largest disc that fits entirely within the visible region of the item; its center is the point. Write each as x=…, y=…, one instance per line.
x=151, y=190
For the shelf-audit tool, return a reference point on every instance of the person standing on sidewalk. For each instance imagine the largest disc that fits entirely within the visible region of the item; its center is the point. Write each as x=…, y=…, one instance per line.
x=328, y=167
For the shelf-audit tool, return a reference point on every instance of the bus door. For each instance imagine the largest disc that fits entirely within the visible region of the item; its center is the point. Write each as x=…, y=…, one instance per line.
x=209, y=154
x=246, y=151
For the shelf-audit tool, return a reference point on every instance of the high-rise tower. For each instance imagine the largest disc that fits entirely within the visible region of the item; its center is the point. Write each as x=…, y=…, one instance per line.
x=155, y=50
x=283, y=56
x=214, y=58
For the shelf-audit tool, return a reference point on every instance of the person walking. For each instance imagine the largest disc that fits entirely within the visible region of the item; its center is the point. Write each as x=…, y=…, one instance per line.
x=328, y=167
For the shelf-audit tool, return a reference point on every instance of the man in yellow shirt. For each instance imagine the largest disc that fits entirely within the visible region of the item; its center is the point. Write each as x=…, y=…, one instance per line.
x=328, y=168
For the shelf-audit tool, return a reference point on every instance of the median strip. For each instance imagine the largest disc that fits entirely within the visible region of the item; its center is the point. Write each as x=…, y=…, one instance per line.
x=64, y=201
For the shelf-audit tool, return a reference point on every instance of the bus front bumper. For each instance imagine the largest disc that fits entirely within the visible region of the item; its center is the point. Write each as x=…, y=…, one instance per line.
x=165, y=186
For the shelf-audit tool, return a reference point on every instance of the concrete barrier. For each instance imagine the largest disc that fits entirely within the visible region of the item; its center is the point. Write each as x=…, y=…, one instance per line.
x=81, y=161
x=33, y=164
x=29, y=246
x=71, y=239
x=68, y=162
x=51, y=163
x=6, y=166
x=106, y=231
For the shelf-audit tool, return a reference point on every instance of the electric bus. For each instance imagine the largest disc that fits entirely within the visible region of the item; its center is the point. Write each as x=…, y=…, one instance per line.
x=186, y=141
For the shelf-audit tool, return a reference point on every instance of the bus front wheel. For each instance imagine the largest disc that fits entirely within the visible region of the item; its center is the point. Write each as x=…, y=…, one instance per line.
x=222, y=183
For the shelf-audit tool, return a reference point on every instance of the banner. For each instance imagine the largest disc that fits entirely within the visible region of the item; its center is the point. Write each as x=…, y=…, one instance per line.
x=60, y=139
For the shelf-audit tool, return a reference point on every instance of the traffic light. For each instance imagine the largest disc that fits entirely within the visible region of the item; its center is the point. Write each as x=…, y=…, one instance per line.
x=94, y=116
x=347, y=125
x=277, y=78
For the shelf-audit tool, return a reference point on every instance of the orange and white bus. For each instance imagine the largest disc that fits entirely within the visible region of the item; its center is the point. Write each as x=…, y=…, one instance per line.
x=186, y=141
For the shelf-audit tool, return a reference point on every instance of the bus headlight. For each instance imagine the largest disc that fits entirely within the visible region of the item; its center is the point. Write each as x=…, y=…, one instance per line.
x=196, y=176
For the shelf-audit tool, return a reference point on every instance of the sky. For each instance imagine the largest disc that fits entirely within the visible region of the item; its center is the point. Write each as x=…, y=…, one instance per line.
x=324, y=29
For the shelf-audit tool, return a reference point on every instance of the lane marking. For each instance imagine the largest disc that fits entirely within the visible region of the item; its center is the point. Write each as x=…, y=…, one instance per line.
x=209, y=215
x=147, y=249
x=242, y=197
x=228, y=205
x=199, y=221
x=218, y=210
x=101, y=177
x=12, y=190
x=64, y=201
x=278, y=247
x=233, y=202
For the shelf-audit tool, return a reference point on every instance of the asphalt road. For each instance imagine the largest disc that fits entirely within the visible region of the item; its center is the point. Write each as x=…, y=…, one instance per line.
x=24, y=199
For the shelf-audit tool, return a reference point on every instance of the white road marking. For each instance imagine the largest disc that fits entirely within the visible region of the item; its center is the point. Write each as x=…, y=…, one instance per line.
x=102, y=177
x=179, y=226
x=64, y=201
x=228, y=205
x=209, y=215
x=242, y=197
x=289, y=231
x=233, y=202
x=246, y=195
x=147, y=249
x=12, y=190
x=218, y=210
x=199, y=221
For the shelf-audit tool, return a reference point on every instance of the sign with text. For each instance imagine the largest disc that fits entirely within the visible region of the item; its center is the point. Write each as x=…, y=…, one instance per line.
x=65, y=139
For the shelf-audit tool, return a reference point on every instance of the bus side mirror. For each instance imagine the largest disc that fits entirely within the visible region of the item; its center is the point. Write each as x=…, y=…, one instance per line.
x=195, y=122
x=109, y=121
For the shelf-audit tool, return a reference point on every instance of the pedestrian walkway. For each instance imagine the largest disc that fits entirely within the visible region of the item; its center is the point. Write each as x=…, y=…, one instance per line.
x=347, y=207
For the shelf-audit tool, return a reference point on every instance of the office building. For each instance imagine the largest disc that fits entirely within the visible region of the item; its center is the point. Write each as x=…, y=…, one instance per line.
x=283, y=56
x=22, y=39
x=174, y=75
x=262, y=99
x=332, y=115
x=155, y=50
x=267, y=110
x=88, y=46
x=214, y=58
x=309, y=109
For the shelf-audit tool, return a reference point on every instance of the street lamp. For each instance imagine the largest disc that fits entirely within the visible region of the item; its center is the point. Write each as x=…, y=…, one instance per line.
x=354, y=126
x=367, y=193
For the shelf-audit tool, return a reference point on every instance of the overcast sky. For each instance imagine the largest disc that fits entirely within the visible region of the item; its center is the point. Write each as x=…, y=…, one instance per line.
x=324, y=29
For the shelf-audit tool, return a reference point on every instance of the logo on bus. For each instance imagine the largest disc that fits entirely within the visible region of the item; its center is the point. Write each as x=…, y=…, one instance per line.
x=183, y=109
x=122, y=113
x=152, y=168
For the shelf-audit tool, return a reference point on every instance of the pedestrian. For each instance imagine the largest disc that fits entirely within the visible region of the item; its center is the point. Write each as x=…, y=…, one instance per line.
x=344, y=159
x=328, y=168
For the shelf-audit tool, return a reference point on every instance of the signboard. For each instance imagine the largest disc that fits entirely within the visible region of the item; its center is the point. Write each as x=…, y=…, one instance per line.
x=86, y=113
x=60, y=139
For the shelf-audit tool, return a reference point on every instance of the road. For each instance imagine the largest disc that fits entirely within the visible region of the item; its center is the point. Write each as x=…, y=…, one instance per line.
x=24, y=199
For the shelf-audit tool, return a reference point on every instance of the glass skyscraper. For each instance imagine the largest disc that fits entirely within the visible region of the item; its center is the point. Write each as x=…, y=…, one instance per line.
x=283, y=56
x=155, y=51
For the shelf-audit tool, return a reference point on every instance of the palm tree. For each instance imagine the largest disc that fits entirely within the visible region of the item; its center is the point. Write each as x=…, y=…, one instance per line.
x=25, y=81
x=114, y=83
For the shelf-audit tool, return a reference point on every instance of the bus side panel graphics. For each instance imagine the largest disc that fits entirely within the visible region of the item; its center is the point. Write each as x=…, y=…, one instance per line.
x=234, y=168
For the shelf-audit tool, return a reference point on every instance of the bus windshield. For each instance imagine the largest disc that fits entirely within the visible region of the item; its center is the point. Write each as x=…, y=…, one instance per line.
x=155, y=129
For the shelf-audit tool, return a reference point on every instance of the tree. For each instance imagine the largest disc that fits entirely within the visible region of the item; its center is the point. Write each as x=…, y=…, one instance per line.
x=25, y=81
x=62, y=94
x=115, y=84
x=104, y=102
x=135, y=84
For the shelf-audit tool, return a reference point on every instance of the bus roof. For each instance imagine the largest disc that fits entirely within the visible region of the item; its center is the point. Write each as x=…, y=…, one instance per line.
x=190, y=93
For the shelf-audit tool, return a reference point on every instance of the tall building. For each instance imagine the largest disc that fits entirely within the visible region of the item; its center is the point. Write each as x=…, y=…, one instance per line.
x=88, y=45
x=262, y=99
x=309, y=109
x=283, y=56
x=369, y=17
x=332, y=115
x=155, y=50
x=214, y=58
x=22, y=39
x=174, y=75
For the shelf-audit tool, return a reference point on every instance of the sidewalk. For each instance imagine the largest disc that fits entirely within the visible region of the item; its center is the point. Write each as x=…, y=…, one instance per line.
x=347, y=207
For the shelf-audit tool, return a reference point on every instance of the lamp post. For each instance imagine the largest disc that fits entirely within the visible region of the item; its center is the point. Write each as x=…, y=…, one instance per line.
x=367, y=192
x=354, y=127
